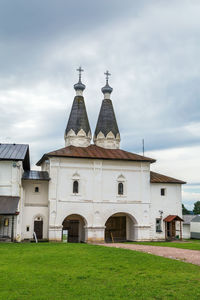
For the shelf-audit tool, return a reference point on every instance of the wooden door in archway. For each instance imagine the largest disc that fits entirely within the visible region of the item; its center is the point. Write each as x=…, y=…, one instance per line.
x=116, y=229
x=73, y=230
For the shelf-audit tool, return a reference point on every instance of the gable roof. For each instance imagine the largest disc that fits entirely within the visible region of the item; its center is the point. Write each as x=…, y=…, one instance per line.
x=171, y=218
x=196, y=219
x=188, y=218
x=95, y=152
x=16, y=152
x=35, y=175
x=159, y=178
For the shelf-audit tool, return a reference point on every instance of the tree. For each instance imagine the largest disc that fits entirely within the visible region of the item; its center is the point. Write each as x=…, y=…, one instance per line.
x=184, y=210
x=196, y=209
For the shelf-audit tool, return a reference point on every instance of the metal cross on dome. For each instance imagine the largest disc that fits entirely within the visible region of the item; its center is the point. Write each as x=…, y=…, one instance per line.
x=80, y=70
x=107, y=75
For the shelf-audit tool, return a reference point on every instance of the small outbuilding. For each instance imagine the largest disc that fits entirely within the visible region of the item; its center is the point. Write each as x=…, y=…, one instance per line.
x=195, y=227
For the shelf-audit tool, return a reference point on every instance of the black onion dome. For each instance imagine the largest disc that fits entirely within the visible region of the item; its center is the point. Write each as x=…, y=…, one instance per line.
x=79, y=86
x=107, y=89
x=107, y=120
x=78, y=118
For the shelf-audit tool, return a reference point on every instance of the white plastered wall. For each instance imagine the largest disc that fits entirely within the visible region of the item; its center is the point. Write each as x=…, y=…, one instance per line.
x=97, y=199
x=35, y=205
x=10, y=185
x=170, y=204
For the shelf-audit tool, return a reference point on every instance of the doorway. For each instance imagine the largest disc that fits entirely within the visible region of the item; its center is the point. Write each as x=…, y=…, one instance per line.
x=38, y=228
x=74, y=224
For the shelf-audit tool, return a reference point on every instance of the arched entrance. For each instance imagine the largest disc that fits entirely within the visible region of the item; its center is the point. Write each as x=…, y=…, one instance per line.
x=120, y=228
x=75, y=224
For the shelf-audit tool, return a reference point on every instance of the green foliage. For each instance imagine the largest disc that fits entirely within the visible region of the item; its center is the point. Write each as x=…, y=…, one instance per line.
x=196, y=209
x=80, y=271
x=185, y=211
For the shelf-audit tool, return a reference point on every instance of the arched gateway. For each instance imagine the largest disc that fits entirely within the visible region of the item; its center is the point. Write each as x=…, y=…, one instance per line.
x=120, y=227
x=75, y=225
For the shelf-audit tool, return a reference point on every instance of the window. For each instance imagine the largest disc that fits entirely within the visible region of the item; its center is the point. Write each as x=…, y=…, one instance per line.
x=36, y=189
x=75, y=187
x=158, y=225
x=27, y=228
x=120, y=188
x=162, y=192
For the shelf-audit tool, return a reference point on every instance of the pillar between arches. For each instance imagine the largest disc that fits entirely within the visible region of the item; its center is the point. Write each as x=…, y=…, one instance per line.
x=95, y=234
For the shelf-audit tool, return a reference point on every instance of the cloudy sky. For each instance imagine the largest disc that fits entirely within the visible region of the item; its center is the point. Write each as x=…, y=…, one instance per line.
x=152, y=49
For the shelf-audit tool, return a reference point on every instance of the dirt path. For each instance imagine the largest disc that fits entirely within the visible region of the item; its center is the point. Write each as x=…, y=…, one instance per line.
x=190, y=256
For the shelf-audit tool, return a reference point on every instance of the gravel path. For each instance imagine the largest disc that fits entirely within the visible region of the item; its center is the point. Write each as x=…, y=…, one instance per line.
x=190, y=256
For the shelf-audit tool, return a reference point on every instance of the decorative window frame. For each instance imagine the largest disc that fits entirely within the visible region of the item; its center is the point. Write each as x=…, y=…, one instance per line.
x=121, y=179
x=76, y=177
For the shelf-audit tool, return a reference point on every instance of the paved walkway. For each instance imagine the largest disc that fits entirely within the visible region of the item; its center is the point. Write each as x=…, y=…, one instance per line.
x=190, y=256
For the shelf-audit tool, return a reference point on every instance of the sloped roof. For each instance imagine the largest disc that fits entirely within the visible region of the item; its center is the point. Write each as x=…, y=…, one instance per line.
x=196, y=219
x=16, y=152
x=107, y=121
x=188, y=218
x=78, y=118
x=35, y=175
x=172, y=218
x=160, y=178
x=8, y=205
x=96, y=152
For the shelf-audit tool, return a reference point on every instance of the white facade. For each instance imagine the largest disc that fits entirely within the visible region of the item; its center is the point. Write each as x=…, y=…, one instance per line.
x=93, y=198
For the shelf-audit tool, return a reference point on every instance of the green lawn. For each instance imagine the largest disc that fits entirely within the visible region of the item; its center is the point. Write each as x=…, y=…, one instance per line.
x=51, y=271
x=187, y=244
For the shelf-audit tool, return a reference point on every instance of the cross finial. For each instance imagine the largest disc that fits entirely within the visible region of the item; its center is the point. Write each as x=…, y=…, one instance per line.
x=79, y=70
x=107, y=75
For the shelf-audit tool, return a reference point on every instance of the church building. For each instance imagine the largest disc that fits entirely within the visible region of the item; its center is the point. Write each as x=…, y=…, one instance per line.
x=92, y=192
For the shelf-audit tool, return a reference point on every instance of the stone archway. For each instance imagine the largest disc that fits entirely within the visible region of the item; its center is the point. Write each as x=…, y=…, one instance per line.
x=75, y=225
x=120, y=227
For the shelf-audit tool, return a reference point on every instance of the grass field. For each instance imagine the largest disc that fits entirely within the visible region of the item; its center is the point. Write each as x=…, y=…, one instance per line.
x=188, y=244
x=50, y=271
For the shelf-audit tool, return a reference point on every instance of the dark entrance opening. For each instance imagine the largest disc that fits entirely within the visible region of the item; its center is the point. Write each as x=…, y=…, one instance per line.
x=75, y=225
x=73, y=229
x=38, y=228
x=115, y=229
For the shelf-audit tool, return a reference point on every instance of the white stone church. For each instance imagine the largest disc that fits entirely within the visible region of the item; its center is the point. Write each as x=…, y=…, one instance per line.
x=91, y=192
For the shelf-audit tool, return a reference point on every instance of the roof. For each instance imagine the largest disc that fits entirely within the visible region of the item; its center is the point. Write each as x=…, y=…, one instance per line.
x=188, y=218
x=95, y=152
x=159, y=178
x=171, y=218
x=35, y=175
x=78, y=118
x=8, y=205
x=106, y=121
x=16, y=152
x=196, y=218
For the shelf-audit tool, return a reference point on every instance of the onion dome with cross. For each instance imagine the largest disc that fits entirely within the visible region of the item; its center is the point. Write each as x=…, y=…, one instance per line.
x=107, y=132
x=78, y=132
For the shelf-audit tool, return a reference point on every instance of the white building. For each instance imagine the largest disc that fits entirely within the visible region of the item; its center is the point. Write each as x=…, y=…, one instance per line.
x=97, y=192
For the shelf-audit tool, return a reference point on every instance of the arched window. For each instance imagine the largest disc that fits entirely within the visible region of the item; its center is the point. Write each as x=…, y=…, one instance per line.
x=120, y=188
x=75, y=187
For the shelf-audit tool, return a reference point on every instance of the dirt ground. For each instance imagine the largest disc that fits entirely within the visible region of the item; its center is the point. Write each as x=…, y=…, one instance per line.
x=190, y=256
